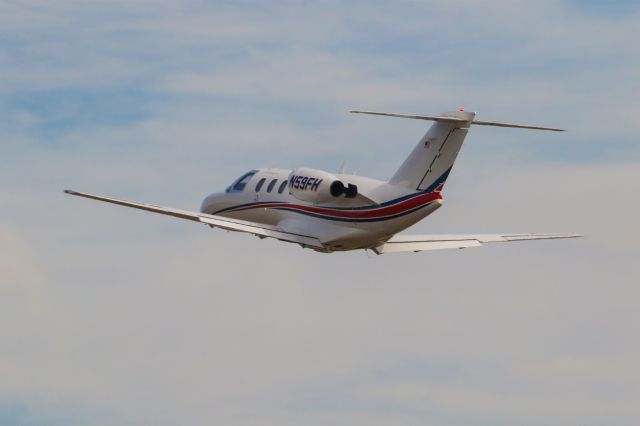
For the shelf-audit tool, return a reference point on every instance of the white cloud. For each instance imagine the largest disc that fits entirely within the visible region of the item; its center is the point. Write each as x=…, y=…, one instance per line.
x=126, y=318
x=228, y=328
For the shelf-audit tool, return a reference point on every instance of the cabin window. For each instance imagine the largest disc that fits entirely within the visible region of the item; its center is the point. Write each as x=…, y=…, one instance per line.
x=271, y=185
x=241, y=182
x=283, y=185
x=260, y=183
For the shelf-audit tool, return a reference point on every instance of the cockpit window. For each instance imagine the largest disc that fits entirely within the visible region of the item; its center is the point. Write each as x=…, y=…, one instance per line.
x=260, y=183
x=238, y=185
x=283, y=185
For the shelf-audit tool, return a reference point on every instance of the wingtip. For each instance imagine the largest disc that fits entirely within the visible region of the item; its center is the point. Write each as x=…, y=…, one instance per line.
x=571, y=235
x=69, y=191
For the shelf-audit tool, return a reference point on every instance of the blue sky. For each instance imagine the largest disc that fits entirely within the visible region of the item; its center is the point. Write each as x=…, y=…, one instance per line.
x=114, y=317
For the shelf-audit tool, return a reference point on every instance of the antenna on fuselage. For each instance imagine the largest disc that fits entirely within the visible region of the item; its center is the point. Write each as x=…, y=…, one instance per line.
x=343, y=167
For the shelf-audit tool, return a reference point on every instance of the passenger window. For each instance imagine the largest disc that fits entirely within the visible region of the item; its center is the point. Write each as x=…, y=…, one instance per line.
x=283, y=185
x=259, y=185
x=271, y=185
x=238, y=185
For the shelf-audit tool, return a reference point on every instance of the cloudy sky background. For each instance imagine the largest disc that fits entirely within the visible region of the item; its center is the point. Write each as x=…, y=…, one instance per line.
x=110, y=316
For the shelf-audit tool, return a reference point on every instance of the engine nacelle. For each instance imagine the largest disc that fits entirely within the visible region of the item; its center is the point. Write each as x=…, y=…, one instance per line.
x=318, y=186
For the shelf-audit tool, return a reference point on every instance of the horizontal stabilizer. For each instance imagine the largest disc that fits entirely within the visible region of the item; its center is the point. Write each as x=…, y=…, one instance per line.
x=414, y=116
x=460, y=120
x=516, y=126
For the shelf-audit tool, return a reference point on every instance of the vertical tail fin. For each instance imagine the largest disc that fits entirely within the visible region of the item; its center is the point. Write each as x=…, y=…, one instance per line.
x=429, y=164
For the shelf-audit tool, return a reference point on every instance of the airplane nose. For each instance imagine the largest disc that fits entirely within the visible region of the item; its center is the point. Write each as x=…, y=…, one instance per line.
x=212, y=203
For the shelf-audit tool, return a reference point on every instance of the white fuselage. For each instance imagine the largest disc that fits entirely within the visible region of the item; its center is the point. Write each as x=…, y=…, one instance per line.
x=378, y=212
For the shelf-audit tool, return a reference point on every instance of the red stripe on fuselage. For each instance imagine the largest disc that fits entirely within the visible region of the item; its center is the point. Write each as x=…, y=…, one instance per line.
x=374, y=212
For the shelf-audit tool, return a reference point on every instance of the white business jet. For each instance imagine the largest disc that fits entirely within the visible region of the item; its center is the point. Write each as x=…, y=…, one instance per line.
x=337, y=212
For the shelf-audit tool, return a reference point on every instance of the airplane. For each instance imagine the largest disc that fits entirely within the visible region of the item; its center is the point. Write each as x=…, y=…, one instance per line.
x=329, y=212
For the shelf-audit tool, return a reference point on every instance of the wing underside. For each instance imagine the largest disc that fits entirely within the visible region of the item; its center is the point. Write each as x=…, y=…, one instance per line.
x=258, y=229
x=404, y=243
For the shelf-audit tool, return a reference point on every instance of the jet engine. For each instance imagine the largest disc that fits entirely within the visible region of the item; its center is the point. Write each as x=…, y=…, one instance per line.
x=318, y=186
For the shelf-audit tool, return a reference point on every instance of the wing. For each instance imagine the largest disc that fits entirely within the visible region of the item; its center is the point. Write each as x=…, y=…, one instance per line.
x=399, y=243
x=258, y=229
